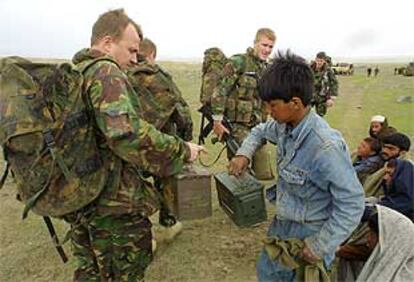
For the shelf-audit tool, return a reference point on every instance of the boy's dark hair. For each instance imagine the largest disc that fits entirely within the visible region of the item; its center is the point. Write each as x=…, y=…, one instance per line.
x=289, y=76
x=374, y=144
x=398, y=139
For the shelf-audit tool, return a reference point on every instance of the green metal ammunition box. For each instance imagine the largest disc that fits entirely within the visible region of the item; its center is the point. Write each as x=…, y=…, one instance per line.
x=188, y=194
x=241, y=198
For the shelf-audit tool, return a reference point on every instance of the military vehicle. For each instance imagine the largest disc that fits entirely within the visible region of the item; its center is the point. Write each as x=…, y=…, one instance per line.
x=343, y=69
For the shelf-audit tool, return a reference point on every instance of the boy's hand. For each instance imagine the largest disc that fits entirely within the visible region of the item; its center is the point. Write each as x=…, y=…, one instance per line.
x=309, y=256
x=238, y=165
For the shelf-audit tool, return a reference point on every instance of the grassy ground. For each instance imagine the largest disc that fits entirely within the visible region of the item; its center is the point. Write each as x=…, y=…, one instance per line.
x=212, y=249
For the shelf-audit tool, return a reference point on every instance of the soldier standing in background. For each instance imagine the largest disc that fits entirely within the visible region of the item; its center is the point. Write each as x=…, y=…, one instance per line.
x=111, y=237
x=163, y=106
x=376, y=71
x=237, y=95
x=369, y=71
x=325, y=84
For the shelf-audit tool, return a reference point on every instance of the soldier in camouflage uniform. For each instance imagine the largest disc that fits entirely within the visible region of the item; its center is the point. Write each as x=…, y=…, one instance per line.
x=325, y=84
x=111, y=237
x=237, y=96
x=163, y=106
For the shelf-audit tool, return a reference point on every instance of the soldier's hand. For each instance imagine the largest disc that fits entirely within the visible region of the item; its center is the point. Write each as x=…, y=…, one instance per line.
x=330, y=103
x=219, y=129
x=238, y=165
x=195, y=151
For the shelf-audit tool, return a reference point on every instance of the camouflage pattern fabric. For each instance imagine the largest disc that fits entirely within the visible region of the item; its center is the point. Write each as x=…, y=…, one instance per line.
x=47, y=137
x=163, y=106
x=130, y=146
x=325, y=86
x=161, y=101
x=237, y=96
x=211, y=73
x=111, y=248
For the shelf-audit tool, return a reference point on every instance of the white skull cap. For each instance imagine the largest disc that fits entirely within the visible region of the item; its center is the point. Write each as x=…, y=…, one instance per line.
x=378, y=118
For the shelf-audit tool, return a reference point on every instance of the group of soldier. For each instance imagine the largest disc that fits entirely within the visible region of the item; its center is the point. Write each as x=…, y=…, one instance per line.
x=144, y=129
x=376, y=71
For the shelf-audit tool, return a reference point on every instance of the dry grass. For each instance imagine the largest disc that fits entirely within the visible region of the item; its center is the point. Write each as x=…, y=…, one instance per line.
x=212, y=249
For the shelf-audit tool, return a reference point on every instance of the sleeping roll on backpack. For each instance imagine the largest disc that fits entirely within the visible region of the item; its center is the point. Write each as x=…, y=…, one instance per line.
x=211, y=73
x=47, y=139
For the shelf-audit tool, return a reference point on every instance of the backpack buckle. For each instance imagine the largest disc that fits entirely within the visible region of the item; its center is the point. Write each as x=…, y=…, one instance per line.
x=48, y=137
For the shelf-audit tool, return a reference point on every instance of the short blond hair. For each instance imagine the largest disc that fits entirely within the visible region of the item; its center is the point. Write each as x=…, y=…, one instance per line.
x=265, y=32
x=147, y=47
x=112, y=23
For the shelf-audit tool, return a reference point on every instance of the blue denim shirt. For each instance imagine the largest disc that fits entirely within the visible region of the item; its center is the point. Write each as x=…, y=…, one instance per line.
x=317, y=186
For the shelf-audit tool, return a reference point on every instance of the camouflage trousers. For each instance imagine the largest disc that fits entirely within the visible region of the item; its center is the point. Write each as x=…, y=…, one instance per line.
x=261, y=159
x=110, y=247
x=319, y=103
x=166, y=217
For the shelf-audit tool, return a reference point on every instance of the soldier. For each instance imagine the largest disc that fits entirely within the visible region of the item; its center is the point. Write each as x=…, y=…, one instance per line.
x=163, y=106
x=111, y=237
x=325, y=84
x=369, y=71
x=237, y=95
x=376, y=71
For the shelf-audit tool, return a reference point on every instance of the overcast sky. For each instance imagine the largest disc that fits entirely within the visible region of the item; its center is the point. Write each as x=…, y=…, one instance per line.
x=184, y=29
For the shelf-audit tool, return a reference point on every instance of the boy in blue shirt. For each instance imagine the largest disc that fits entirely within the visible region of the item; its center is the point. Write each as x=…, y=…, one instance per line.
x=319, y=199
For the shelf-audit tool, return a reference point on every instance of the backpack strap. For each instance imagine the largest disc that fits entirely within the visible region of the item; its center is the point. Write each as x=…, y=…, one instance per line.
x=53, y=235
x=4, y=174
x=144, y=68
x=6, y=169
x=50, y=144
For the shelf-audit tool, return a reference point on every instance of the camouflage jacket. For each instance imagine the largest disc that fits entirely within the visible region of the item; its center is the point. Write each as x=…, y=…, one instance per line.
x=325, y=83
x=161, y=101
x=237, y=96
x=127, y=144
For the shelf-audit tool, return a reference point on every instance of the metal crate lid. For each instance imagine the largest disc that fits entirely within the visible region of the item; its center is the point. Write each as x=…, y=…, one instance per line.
x=240, y=185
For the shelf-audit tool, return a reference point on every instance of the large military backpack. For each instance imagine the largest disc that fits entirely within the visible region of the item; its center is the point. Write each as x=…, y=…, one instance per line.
x=47, y=137
x=211, y=74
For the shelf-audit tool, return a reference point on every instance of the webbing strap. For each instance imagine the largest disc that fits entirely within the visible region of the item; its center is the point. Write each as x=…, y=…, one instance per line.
x=4, y=174
x=55, y=239
x=50, y=143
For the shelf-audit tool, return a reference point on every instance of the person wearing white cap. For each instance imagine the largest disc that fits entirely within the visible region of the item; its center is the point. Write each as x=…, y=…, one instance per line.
x=379, y=127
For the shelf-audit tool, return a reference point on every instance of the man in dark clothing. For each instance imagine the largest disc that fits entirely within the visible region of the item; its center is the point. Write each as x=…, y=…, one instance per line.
x=369, y=70
x=399, y=187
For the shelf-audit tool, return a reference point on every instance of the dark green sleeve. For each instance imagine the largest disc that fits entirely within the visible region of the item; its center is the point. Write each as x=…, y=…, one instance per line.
x=133, y=140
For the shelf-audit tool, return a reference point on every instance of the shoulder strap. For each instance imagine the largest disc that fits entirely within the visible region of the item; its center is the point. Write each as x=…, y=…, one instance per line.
x=145, y=68
x=85, y=66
